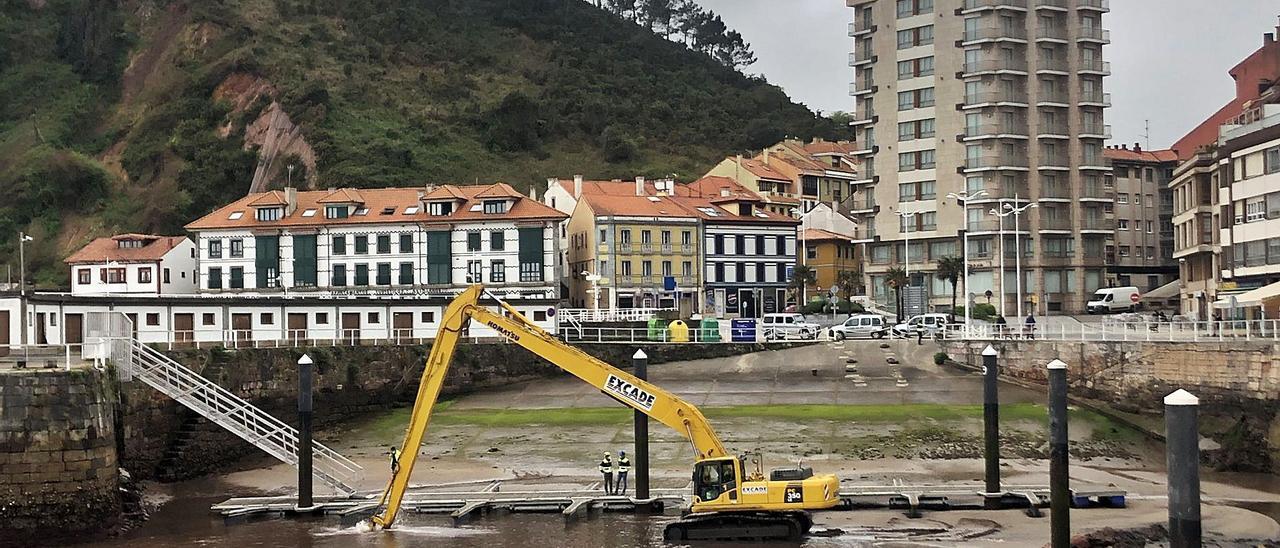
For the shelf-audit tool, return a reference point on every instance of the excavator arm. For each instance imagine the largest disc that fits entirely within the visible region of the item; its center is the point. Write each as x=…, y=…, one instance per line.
x=651, y=400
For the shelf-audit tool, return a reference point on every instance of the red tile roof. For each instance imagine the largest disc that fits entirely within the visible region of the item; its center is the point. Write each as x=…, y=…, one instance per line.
x=639, y=206
x=820, y=235
x=376, y=201
x=499, y=190
x=730, y=214
x=616, y=188
x=104, y=250
x=1127, y=155
x=830, y=147
x=342, y=196
x=444, y=192
x=763, y=171
x=273, y=198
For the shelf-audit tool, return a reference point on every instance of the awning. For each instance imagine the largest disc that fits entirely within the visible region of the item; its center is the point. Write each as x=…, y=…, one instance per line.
x=1254, y=297
x=1166, y=291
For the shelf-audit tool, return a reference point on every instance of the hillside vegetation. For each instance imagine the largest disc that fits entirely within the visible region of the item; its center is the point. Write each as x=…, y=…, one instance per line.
x=142, y=115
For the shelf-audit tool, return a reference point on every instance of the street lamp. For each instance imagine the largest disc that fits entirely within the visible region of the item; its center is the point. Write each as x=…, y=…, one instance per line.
x=23, y=238
x=595, y=288
x=1016, y=211
x=964, y=198
x=906, y=259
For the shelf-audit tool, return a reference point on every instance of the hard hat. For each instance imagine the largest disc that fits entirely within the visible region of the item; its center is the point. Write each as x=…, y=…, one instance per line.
x=606, y=453
x=622, y=452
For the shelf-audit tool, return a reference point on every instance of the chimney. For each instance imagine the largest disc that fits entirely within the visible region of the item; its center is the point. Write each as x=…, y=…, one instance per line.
x=639, y=186
x=533, y=192
x=724, y=191
x=577, y=187
x=1137, y=147
x=766, y=156
x=291, y=199
x=422, y=206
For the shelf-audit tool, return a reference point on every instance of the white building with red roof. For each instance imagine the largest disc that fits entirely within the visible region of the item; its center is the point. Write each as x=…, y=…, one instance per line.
x=134, y=264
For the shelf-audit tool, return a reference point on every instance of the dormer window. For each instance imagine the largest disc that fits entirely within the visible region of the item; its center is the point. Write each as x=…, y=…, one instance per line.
x=744, y=209
x=270, y=213
x=495, y=206
x=128, y=244
x=440, y=209
x=336, y=212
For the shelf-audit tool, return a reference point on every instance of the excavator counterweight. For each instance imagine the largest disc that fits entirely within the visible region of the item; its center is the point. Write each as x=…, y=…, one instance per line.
x=729, y=502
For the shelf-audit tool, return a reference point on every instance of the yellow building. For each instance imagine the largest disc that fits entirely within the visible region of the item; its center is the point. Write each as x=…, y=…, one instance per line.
x=829, y=254
x=780, y=193
x=644, y=248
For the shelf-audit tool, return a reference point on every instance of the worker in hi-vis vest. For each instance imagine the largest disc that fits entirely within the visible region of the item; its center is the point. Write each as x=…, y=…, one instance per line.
x=606, y=468
x=395, y=460
x=624, y=466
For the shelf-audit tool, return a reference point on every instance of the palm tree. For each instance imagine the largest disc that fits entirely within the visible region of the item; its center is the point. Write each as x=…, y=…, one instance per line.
x=848, y=282
x=951, y=269
x=896, y=279
x=802, y=276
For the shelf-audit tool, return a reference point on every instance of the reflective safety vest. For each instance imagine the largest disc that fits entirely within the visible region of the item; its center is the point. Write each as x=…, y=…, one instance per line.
x=624, y=464
x=606, y=466
x=395, y=457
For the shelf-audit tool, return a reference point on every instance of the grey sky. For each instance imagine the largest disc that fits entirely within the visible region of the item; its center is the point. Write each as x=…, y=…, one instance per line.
x=1169, y=58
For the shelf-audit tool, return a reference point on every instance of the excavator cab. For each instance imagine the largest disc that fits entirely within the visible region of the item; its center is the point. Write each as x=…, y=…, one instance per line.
x=717, y=480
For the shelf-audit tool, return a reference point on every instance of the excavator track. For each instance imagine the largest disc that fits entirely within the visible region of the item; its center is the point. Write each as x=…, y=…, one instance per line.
x=740, y=526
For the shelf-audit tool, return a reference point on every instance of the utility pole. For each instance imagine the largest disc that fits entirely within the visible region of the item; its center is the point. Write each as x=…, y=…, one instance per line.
x=23, y=238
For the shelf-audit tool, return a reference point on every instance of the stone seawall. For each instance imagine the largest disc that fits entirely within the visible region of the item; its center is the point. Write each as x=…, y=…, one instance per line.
x=58, y=471
x=1237, y=382
x=164, y=440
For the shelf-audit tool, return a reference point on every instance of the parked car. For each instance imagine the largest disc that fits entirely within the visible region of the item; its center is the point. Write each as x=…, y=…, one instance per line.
x=860, y=326
x=788, y=326
x=1113, y=299
x=932, y=324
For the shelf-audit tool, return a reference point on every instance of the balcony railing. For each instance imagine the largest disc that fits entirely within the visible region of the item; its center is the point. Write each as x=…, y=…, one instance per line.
x=992, y=224
x=1053, y=160
x=863, y=115
x=987, y=65
x=1051, y=129
x=1095, y=191
x=1100, y=5
x=1095, y=65
x=860, y=56
x=1098, y=223
x=994, y=33
x=999, y=191
x=860, y=26
x=1051, y=4
x=1095, y=34
x=1057, y=223
x=1059, y=65
x=1097, y=98
x=1096, y=130
x=996, y=129
x=1060, y=98
x=977, y=4
x=994, y=161
x=1051, y=33
x=1017, y=96
x=1055, y=191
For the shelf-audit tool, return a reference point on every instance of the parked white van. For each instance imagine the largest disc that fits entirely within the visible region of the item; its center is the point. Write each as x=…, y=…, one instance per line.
x=859, y=325
x=1113, y=299
x=788, y=326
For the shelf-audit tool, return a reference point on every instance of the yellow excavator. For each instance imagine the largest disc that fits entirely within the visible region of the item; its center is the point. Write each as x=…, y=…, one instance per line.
x=731, y=500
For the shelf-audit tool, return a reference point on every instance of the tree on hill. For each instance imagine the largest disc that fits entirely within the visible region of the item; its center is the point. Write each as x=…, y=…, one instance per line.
x=700, y=30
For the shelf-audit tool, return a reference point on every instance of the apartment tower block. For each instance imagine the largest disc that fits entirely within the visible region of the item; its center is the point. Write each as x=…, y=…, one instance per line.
x=999, y=96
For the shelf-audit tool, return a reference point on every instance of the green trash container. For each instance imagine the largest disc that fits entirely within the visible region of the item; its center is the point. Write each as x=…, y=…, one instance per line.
x=709, y=330
x=657, y=330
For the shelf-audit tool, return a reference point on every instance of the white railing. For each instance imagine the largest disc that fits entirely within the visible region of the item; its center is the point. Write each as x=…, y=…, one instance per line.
x=1134, y=330
x=579, y=315
x=724, y=334
x=229, y=411
x=43, y=356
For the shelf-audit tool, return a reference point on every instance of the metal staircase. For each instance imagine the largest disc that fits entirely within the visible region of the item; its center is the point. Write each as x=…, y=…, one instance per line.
x=229, y=411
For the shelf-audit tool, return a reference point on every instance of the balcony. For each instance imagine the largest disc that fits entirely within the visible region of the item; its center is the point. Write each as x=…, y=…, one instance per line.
x=1101, y=36
x=863, y=116
x=1053, y=161
x=993, y=34
x=861, y=86
x=1095, y=99
x=992, y=66
x=1052, y=100
x=1094, y=5
x=991, y=223
x=1017, y=192
x=861, y=57
x=1059, y=5
x=1049, y=66
x=995, y=161
x=976, y=5
x=861, y=26
x=992, y=98
x=1095, y=131
x=1052, y=131
x=995, y=131
x=1055, y=192
x=1051, y=34
x=1096, y=192
x=1098, y=224
x=1055, y=223
x=1093, y=161
x=624, y=247
x=1095, y=66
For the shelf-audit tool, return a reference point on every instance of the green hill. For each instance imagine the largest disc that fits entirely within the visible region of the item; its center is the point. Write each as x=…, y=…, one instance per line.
x=121, y=115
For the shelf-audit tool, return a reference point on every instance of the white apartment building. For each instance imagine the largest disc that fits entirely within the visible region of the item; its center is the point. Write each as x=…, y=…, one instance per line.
x=134, y=264
x=1249, y=164
x=380, y=242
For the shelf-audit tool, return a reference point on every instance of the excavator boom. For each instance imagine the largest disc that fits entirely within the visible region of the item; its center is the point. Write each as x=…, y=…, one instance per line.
x=649, y=399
